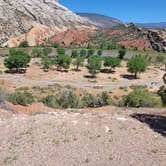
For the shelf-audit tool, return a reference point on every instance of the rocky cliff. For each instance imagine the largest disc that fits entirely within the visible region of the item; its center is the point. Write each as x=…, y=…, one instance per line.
x=157, y=39
x=18, y=17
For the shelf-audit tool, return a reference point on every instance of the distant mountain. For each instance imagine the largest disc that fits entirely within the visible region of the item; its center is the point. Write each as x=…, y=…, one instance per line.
x=104, y=21
x=153, y=25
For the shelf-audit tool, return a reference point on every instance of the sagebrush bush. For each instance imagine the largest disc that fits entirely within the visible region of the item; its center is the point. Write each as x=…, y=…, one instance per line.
x=21, y=98
x=68, y=99
x=100, y=100
x=141, y=97
x=51, y=101
x=65, y=99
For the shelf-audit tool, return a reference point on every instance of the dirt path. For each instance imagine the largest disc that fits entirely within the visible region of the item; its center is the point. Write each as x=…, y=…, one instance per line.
x=104, y=138
x=19, y=79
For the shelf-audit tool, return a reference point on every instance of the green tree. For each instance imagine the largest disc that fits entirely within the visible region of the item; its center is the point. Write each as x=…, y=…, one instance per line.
x=74, y=54
x=64, y=61
x=24, y=44
x=162, y=91
x=111, y=62
x=46, y=63
x=94, y=65
x=55, y=45
x=79, y=61
x=99, y=52
x=17, y=60
x=36, y=52
x=46, y=51
x=137, y=65
x=162, y=94
x=122, y=53
x=60, y=51
x=83, y=53
x=91, y=52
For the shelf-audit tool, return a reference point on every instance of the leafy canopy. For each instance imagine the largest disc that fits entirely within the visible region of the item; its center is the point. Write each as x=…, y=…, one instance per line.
x=64, y=61
x=79, y=61
x=111, y=62
x=24, y=44
x=17, y=60
x=94, y=65
x=46, y=51
x=137, y=65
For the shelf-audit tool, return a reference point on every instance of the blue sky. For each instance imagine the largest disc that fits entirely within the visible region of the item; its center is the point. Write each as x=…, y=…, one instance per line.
x=125, y=10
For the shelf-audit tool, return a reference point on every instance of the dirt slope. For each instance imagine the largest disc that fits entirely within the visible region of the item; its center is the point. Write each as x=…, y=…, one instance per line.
x=111, y=137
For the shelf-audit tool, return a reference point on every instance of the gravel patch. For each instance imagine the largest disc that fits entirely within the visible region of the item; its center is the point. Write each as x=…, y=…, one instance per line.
x=76, y=139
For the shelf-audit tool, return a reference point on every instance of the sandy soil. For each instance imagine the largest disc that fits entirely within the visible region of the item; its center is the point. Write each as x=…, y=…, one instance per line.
x=102, y=137
x=104, y=81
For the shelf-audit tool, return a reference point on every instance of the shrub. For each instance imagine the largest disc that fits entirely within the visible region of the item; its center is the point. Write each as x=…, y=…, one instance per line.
x=94, y=65
x=160, y=59
x=79, y=61
x=137, y=65
x=164, y=78
x=64, y=61
x=99, y=52
x=23, y=88
x=74, y=54
x=141, y=97
x=46, y=62
x=37, y=52
x=21, y=98
x=24, y=44
x=17, y=60
x=37, y=88
x=51, y=101
x=83, y=53
x=69, y=99
x=111, y=62
x=65, y=99
x=55, y=45
x=60, y=51
x=162, y=94
x=46, y=51
x=97, y=101
x=122, y=53
x=91, y=52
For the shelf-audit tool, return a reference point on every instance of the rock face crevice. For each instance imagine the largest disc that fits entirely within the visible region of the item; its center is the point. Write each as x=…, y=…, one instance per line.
x=18, y=17
x=158, y=43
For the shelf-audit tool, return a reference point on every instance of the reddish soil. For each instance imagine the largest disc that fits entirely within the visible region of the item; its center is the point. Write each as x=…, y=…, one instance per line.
x=73, y=36
x=129, y=39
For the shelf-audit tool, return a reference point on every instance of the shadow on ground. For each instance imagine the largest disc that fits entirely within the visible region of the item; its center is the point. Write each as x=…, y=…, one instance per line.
x=128, y=76
x=156, y=122
x=108, y=71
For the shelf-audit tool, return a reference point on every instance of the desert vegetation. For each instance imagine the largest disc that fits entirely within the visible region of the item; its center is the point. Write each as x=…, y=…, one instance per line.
x=91, y=66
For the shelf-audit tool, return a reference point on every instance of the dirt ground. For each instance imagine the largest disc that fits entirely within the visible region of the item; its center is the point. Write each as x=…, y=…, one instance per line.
x=106, y=136
x=104, y=81
x=40, y=136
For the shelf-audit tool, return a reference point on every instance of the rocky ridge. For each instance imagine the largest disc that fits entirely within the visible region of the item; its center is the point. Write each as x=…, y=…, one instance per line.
x=42, y=18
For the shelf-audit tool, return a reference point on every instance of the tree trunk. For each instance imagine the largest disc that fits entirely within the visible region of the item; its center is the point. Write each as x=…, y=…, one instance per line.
x=135, y=75
x=77, y=68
